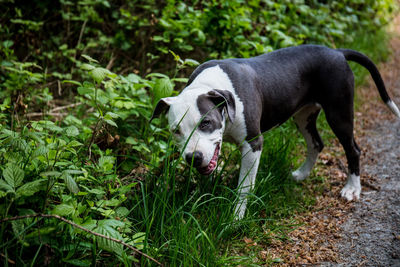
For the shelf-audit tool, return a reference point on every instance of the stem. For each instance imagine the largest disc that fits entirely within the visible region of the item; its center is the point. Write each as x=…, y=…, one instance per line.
x=3, y=226
x=95, y=100
x=89, y=151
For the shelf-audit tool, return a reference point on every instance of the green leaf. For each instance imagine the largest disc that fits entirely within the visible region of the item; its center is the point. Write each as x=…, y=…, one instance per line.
x=77, y=262
x=41, y=150
x=31, y=188
x=89, y=223
x=111, y=122
x=162, y=88
x=35, y=136
x=51, y=173
x=108, y=244
x=74, y=143
x=71, y=184
x=133, y=78
x=191, y=62
x=37, y=126
x=86, y=66
x=51, y=126
x=72, y=81
x=4, y=186
x=105, y=212
x=122, y=212
x=13, y=175
x=112, y=115
x=40, y=232
x=107, y=228
x=73, y=171
x=156, y=74
x=130, y=140
x=138, y=240
x=72, y=131
x=111, y=223
x=176, y=57
x=164, y=23
x=96, y=191
x=99, y=74
x=83, y=90
x=18, y=229
x=63, y=210
x=8, y=43
x=89, y=58
x=180, y=80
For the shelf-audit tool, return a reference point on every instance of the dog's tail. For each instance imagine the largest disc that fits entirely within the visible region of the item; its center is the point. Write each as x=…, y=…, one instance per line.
x=367, y=63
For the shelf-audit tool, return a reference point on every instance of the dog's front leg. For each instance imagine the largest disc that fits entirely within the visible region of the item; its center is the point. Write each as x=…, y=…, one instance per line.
x=247, y=177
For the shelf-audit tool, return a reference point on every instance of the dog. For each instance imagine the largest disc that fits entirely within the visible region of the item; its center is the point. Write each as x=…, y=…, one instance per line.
x=239, y=99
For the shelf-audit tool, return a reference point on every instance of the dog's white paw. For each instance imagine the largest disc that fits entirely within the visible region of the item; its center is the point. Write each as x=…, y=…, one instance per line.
x=299, y=175
x=352, y=189
x=240, y=209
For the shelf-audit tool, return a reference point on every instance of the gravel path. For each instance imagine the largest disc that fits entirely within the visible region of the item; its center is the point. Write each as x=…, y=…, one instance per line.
x=371, y=234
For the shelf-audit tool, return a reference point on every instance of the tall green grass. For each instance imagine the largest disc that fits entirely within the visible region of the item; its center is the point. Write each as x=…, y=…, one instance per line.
x=191, y=220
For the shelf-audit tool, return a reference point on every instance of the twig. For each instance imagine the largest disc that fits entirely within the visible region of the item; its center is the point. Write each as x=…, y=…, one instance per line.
x=362, y=263
x=80, y=36
x=67, y=106
x=89, y=151
x=341, y=166
x=373, y=187
x=9, y=260
x=81, y=228
x=79, y=41
x=111, y=62
x=38, y=114
x=59, y=87
x=54, y=112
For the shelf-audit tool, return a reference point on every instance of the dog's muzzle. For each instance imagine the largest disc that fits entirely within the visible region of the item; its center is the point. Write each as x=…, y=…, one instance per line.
x=197, y=159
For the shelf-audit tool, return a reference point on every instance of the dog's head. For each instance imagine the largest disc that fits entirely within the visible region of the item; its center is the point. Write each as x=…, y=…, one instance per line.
x=197, y=119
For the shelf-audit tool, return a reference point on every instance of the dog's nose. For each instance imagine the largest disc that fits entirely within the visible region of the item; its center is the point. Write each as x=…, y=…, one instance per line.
x=197, y=158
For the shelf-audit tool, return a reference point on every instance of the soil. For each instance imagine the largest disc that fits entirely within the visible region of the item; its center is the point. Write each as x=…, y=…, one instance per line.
x=370, y=236
x=365, y=232
x=371, y=233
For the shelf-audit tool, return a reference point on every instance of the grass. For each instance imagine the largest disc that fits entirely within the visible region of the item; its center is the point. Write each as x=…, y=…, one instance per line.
x=191, y=220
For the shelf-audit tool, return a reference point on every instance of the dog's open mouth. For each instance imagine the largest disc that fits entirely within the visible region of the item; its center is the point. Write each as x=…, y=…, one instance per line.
x=213, y=163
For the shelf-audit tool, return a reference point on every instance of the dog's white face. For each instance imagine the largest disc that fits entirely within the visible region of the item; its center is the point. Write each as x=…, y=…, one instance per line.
x=197, y=123
x=197, y=120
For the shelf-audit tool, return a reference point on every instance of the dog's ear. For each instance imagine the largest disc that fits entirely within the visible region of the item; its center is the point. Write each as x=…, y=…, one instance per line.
x=218, y=96
x=162, y=106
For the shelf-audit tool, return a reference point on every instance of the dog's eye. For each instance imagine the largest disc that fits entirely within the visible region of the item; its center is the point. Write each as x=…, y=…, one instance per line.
x=204, y=124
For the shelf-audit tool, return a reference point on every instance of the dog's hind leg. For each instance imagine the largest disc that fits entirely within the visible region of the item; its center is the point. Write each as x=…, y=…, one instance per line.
x=306, y=120
x=341, y=122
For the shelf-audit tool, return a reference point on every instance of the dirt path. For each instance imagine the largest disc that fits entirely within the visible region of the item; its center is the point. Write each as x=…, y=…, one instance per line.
x=371, y=233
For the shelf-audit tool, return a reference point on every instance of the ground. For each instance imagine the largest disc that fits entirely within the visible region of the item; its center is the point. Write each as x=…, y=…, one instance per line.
x=365, y=232
x=371, y=234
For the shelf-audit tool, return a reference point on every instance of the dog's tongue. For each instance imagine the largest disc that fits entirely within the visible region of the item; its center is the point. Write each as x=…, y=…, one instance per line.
x=213, y=163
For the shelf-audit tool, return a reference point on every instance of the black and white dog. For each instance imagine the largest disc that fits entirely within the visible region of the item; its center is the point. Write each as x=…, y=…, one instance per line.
x=238, y=99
